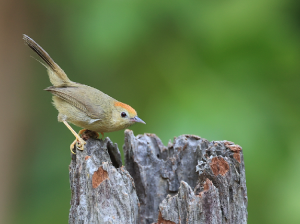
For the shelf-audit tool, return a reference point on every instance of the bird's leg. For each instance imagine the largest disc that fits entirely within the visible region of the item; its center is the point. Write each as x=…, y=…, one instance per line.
x=78, y=138
x=101, y=134
x=81, y=131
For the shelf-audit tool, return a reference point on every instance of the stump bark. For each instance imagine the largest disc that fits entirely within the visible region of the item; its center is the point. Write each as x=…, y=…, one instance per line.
x=190, y=181
x=102, y=190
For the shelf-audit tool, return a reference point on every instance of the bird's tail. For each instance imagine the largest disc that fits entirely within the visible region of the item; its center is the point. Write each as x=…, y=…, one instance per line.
x=57, y=76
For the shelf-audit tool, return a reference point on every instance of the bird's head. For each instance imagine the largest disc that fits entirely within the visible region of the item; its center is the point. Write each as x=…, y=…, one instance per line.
x=124, y=115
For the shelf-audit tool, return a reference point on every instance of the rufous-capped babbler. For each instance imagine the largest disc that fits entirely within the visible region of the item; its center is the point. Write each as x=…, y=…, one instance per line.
x=82, y=105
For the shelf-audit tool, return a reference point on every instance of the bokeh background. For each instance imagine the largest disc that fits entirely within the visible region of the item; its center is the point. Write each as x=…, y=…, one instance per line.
x=223, y=70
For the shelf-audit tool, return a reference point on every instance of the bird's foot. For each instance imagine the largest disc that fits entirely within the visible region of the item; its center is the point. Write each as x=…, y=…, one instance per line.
x=84, y=134
x=79, y=144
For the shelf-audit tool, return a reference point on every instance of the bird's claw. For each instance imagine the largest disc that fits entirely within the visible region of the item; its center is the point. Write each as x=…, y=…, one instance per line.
x=79, y=145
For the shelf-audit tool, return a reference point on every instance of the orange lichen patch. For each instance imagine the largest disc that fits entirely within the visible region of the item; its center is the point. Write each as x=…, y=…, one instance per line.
x=236, y=150
x=200, y=194
x=207, y=184
x=219, y=166
x=233, y=147
x=237, y=156
x=126, y=107
x=162, y=221
x=206, y=187
x=87, y=157
x=99, y=176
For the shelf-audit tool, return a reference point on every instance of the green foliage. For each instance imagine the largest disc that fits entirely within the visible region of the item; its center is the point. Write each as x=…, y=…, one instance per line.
x=220, y=69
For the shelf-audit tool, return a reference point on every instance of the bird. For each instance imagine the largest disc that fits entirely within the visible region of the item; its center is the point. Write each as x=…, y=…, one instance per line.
x=83, y=105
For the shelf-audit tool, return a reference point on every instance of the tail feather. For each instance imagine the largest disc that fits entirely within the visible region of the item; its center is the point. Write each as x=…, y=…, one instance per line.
x=57, y=76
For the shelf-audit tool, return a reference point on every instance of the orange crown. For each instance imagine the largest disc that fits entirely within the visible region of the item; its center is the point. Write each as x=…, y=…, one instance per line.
x=126, y=107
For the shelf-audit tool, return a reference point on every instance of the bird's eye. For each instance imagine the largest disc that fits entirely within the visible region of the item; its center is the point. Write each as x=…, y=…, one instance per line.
x=123, y=114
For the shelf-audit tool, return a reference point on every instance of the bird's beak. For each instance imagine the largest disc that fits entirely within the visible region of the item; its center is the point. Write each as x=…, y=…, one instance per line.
x=137, y=119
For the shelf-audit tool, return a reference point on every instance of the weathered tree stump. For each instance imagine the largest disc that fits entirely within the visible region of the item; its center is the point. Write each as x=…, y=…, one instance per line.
x=190, y=181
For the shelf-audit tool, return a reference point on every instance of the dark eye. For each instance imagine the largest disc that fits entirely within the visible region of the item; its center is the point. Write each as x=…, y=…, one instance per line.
x=123, y=114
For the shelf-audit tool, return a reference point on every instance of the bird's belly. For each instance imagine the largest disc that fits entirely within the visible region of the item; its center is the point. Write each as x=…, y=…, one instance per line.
x=77, y=117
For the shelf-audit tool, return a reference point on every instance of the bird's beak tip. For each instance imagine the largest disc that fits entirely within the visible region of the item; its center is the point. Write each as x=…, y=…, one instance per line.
x=139, y=120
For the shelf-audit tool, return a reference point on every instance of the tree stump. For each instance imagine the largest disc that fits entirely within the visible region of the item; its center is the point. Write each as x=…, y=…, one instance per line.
x=190, y=181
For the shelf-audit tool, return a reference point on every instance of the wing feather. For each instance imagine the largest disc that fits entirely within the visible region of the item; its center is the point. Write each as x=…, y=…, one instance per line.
x=79, y=99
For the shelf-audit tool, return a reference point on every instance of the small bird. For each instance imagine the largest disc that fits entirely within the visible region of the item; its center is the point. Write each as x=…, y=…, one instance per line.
x=82, y=105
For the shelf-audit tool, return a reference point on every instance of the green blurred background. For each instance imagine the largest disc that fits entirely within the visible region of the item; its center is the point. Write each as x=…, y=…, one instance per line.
x=223, y=70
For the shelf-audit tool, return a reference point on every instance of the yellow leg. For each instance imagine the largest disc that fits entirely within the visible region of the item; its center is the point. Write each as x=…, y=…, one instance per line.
x=78, y=138
x=101, y=134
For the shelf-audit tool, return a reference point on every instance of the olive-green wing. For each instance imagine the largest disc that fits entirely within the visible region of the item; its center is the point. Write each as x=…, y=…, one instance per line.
x=84, y=98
